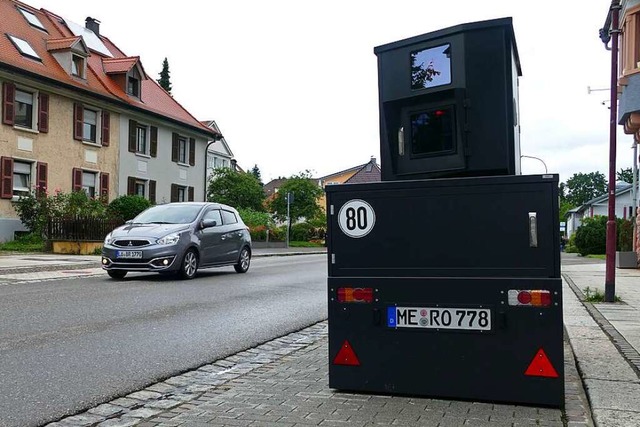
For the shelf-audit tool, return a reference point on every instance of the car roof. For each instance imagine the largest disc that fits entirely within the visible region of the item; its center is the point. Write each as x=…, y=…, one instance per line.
x=202, y=204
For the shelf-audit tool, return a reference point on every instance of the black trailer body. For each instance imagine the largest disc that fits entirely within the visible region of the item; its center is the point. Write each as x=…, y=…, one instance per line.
x=447, y=288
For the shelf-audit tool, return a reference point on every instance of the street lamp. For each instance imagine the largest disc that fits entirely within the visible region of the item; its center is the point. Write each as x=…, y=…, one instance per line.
x=536, y=158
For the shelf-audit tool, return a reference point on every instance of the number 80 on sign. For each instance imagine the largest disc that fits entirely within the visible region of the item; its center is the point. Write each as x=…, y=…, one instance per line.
x=356, y=218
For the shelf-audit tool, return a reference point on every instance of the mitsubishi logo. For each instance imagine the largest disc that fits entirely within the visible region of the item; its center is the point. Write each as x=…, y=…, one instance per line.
x=130, y=243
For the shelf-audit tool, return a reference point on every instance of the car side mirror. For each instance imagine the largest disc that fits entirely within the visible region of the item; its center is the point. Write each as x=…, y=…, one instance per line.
x=208, y=223
x=129, y=222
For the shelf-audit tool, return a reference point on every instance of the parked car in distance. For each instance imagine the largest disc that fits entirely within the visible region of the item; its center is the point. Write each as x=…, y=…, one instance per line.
x=178, y=238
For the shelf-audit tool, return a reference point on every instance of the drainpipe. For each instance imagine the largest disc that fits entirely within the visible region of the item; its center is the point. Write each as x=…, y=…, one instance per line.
x=635, y=195
x=610, y=267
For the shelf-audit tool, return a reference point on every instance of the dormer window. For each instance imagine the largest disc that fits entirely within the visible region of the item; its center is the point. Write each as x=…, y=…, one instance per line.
x=24, y=48
x=133, y=86
x=32, y=19
x=77, y=66
x=127, y=73
x=71, y=53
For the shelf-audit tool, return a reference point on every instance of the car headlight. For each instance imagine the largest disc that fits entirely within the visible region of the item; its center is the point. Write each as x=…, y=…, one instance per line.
x=108, y=240
x=169, y=239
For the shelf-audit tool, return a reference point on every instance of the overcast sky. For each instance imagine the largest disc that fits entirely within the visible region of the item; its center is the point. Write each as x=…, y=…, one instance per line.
x=293, y=84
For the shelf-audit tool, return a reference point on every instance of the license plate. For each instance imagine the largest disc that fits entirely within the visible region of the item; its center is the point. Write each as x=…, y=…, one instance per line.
x=468, y=319
x=129, y=254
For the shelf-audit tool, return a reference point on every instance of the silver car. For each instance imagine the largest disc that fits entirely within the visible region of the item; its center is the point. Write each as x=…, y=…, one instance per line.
x=178, y=238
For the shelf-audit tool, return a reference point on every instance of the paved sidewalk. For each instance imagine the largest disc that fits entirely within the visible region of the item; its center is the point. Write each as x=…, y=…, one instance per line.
x=284, y=382
x=605, y=338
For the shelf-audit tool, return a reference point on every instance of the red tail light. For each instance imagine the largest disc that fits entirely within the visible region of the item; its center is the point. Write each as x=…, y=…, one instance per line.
x=530, y=298
x=363, y=295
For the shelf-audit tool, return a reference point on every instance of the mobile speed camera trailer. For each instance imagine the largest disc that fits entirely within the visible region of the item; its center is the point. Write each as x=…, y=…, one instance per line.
x=444, y=278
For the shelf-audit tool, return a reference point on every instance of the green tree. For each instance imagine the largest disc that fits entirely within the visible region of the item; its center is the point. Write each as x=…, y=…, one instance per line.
x=164, y=79
x=591, y=236
x=625, y=175
x=237, y=189
x=256, y=172
x=127, y=207
x=565, y=207
x=582, y=187
x=306, y=193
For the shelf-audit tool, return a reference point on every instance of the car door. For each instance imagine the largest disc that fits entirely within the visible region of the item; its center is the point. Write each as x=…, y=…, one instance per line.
x=232, y=237
x=211, y=242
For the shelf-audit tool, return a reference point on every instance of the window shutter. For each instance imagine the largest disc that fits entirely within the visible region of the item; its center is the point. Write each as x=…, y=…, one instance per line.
x=152, y=191
x=153, y=149
x=192, y=151
x=106, y=128
x=78, y=121
x=174, y=193
x=133, y=133
x=41, y=178
x=8, y=102
x=174, y=147
x=104, y=187
x=190, y=194
x=131, y=186
x=43, y=112
x=76, y=182
x=6, y=188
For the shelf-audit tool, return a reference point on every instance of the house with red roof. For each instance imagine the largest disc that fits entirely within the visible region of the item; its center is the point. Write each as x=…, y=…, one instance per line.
x=80, y=114
x=368, y=172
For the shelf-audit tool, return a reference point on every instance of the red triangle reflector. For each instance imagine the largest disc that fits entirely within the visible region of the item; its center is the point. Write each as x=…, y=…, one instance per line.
x=346, y=356
x=541, y=366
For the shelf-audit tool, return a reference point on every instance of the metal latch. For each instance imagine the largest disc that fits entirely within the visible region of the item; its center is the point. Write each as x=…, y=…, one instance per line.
x=533, y=230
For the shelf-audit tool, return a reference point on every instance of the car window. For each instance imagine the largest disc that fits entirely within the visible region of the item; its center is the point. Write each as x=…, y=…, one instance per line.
x=229, y=217
x=214, y=215
x=168, y=214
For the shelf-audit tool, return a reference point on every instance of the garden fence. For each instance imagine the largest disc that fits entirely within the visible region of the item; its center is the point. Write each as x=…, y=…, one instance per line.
x=81, y=228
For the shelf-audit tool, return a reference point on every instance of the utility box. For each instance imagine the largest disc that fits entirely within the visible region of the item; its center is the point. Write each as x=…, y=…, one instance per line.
x=447, y=288
x=449, y=103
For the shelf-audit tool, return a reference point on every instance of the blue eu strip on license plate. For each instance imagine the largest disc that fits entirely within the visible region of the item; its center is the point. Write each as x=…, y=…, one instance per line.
x=391, y=317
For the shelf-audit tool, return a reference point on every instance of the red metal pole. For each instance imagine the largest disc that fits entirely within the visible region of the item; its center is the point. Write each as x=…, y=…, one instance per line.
x=610, y=268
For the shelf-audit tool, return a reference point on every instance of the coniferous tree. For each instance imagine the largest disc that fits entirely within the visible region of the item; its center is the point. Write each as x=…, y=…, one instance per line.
x=164, y=79
x=256, y=172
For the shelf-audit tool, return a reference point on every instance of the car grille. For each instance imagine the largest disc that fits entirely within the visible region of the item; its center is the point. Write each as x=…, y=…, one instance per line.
x=127, y=243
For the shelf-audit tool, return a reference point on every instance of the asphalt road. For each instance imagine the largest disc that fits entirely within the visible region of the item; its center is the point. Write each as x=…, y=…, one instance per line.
x=68, y=345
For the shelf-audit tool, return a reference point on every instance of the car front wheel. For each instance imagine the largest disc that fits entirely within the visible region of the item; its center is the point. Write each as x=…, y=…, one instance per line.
x=116, y=274
x=189, y=265
x=244, y=261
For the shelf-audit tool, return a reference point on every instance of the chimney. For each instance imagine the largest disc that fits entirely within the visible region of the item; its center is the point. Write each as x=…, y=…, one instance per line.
x=93, y=25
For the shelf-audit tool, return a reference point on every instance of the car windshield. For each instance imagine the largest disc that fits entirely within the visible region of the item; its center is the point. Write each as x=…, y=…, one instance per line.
x=168, y=214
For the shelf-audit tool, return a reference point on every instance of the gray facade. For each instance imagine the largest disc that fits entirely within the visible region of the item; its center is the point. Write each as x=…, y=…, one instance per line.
x=144, y=167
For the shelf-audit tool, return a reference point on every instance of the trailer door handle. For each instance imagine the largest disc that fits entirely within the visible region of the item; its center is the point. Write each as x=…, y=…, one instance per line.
x=401, y=141
x=533, y=230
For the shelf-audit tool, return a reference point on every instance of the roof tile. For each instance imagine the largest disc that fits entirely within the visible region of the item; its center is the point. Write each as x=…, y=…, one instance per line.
x=58, y=36
x=61, y=43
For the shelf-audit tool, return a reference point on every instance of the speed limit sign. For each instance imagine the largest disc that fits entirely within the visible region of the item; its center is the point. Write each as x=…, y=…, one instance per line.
x=356, y=218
